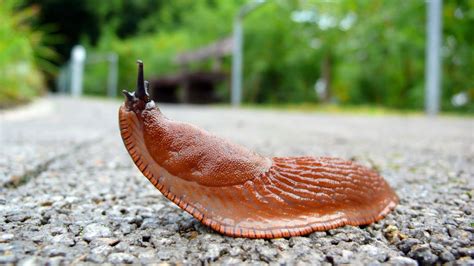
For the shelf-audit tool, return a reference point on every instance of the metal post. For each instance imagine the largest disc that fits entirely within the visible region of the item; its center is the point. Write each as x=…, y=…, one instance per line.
x=112, y=77
x=78, y=56
x=433, y=57
x=236, y=92
x=236, y=89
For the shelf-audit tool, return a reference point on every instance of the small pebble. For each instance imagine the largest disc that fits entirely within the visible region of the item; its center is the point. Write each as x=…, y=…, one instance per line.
x=6, y=237
x=121, y=258
x=94, y=231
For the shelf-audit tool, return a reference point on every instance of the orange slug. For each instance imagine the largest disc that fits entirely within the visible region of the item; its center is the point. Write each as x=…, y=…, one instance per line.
x=240, y=193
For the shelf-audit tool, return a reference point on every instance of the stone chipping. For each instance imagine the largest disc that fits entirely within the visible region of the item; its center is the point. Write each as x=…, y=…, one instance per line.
x=69, y=192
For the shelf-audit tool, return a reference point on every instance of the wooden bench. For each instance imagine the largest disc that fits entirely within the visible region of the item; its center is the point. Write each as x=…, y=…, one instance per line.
x=193, y=86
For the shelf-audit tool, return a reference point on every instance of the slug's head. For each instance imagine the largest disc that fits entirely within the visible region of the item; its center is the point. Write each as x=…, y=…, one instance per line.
x=139, y=100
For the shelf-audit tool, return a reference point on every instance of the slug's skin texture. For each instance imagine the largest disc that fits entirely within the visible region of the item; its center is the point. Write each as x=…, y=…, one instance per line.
x=186, y=151
x=242, y=194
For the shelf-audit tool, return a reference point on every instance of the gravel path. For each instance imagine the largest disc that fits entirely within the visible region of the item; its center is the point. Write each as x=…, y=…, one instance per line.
x=69, y=192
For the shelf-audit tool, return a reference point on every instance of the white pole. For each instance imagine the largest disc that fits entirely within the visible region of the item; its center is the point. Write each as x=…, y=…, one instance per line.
x=78, y=56
x=236, y=86
x=236, y=89
x=433, y=57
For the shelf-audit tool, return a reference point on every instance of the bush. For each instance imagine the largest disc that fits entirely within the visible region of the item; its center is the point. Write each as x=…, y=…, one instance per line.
x=20, y=46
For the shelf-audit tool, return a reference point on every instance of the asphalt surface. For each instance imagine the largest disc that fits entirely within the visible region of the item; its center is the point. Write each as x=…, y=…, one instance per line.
x=69, y=192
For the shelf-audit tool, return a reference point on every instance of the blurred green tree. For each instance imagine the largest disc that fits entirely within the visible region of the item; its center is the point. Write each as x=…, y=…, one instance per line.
x=361, y=52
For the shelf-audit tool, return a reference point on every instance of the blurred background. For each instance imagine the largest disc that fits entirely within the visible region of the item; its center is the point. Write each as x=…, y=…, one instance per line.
x=301, y=53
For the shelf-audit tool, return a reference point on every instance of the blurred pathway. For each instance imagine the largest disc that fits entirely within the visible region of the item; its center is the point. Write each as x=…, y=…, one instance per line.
x=70, y=193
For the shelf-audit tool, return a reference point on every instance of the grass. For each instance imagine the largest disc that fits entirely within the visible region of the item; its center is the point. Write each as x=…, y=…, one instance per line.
x=334, y=109
x=372, y=110
x=7, y=103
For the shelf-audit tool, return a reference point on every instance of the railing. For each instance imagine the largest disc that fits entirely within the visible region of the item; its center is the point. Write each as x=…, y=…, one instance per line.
x=70, y=80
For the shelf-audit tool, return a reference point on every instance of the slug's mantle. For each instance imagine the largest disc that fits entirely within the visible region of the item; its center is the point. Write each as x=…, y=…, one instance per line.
x=240, y=193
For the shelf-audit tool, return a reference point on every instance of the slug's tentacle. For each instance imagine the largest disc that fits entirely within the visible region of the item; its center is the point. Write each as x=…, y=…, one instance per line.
x=139, y=100
x=129, y=96
x=141, y=92
x=239, y=193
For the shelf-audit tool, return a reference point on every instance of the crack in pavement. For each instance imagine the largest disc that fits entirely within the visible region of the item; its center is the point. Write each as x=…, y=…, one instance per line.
x=30, y=174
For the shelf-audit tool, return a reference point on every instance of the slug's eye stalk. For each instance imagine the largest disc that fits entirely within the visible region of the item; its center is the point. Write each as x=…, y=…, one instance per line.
x=141, y=92
x=139, y=99
x=129, y=97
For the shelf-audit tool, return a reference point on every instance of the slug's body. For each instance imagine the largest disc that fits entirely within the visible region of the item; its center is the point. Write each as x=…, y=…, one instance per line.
x=239, y=193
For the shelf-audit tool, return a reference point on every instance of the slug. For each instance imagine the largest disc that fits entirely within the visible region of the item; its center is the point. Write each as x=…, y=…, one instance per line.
x=239, y=193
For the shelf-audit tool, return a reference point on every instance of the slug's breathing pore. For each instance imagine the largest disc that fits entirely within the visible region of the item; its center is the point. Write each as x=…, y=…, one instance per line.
x=240, y=193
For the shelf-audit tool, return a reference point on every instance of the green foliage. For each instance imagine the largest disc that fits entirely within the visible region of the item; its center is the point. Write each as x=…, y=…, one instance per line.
x=157, y=51
x=381, y=56
x=21, y=55
x=372, y=52
x=458, y=51
x=280, y=65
